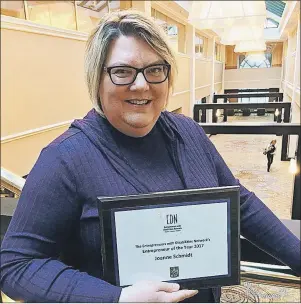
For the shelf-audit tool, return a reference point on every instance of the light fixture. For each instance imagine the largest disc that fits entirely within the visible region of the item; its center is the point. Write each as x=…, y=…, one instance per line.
x=245, y=32
x=293, y=168
x=250, y=46
x=221, y=14
x=277, y=112
x=256, y=56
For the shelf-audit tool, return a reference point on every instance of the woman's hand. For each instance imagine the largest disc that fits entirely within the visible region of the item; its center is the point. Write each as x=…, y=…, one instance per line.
x=150, y=291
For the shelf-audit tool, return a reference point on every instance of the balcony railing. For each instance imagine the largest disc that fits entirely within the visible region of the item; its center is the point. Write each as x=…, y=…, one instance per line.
x=11, y=181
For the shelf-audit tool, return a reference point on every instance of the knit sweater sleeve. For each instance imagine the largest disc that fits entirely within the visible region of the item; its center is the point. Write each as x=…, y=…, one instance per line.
x=258, y=223
x=46, y=213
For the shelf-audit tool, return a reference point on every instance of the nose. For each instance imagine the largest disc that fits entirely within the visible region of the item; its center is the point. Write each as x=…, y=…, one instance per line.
x=140, y=83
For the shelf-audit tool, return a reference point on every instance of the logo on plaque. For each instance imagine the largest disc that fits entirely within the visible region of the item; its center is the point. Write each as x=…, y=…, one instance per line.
x=174, y=272
x=171, y=224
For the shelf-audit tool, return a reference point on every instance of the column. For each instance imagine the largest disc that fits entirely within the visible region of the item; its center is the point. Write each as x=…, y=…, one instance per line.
x=211, y=54
x=190, y=42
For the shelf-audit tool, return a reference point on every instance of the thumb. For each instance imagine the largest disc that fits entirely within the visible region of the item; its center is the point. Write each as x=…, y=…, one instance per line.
x=168, y=287
x=181, y=295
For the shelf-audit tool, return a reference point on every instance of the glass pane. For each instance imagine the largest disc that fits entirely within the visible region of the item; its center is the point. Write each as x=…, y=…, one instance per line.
x=174, y=30
x=114, y=5
x=202, y=46
x=255, y=61
x=197, y=44
x=88, y=16
x=119, y=5
x=59, y=14
x=269, y=23
x=13, y=9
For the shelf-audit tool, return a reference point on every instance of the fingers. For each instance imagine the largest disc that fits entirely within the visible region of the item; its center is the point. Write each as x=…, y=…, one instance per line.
x=180, y=295
x=168, y=287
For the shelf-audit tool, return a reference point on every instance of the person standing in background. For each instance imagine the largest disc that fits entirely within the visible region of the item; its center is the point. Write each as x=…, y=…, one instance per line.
x=270, y=152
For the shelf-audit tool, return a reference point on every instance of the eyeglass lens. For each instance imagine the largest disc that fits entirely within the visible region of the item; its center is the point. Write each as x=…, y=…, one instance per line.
x=127, y=75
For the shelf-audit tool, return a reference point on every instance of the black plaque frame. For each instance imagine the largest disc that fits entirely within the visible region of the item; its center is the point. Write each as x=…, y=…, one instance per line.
x=107, y=206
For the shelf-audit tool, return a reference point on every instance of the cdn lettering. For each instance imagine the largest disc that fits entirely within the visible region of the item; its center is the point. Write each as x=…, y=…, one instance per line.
x=171, y=219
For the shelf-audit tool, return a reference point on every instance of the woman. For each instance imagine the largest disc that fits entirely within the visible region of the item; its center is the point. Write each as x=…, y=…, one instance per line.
x=126, y=145
x=270, y=152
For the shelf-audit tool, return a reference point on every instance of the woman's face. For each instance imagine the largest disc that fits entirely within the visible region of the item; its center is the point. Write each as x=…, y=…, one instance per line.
x=124, y=106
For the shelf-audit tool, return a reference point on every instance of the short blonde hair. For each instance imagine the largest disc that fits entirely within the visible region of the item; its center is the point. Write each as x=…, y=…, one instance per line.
x=123, y=23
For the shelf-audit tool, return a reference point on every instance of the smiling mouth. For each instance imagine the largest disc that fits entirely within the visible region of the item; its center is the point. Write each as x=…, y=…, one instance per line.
x=138, y=102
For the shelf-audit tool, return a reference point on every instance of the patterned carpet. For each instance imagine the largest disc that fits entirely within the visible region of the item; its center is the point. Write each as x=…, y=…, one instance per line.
x=243, y=155
x=263, y=283
x=254, y=292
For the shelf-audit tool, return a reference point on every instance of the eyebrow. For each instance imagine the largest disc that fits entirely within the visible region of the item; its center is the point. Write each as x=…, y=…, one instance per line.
x=120, y=63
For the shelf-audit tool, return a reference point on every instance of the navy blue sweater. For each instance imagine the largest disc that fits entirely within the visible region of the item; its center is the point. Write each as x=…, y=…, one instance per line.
x=51, y=251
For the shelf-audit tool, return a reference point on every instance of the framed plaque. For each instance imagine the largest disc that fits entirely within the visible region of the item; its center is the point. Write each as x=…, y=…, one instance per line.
x=190, y=237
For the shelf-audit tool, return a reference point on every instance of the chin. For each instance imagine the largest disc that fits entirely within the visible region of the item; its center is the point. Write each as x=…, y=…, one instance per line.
x=141, y=121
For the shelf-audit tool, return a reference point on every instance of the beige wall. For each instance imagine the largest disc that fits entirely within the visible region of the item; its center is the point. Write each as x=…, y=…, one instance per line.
x=42, y=81
x=277, y=55
x=291, y=69
x=231, y=57
x=182, y=81
x=218, y=72
x=202, y=92
x=180, y=99
x=42, y=85
x=19, y=155
x=218, y=88
x=203, y=72
x=291, y=55
x=203, y=78
x=253, y=78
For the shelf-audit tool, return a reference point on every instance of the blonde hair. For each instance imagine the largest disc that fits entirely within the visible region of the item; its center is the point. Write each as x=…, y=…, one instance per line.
x=123, y=23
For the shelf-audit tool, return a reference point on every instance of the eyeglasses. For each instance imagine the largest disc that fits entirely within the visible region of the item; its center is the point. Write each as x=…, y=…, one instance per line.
x=125, y=75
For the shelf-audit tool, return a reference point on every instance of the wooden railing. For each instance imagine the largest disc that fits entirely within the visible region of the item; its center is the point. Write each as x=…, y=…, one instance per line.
x=12, y=181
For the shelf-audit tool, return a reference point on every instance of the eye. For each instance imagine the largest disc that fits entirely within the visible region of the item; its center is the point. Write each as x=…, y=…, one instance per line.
x=122, y=72
x=155, y=70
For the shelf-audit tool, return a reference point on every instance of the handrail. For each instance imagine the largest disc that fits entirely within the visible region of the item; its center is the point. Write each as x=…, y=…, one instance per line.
x=247, y=95
x=251, y=128
x=12, y=181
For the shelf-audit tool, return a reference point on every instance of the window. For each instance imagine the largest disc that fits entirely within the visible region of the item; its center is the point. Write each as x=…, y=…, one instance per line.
x=174, y=30
x=270, y=23
x=72, y=15
x=13, y=9
x=200, y=45
x=252, y=61
x=89, y=14
x=116, y=5
x=59, y=14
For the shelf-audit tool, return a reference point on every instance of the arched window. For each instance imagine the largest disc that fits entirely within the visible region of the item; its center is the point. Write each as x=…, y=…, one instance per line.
x=251, y=61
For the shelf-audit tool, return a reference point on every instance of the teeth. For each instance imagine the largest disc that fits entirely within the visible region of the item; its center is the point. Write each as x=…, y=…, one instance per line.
x=138, y=102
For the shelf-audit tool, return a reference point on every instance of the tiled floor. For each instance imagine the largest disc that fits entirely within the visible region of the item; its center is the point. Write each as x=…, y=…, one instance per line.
x=243, y=154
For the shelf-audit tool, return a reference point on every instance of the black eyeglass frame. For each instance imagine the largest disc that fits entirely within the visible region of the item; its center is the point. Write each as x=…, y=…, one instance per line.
x=108, y=70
